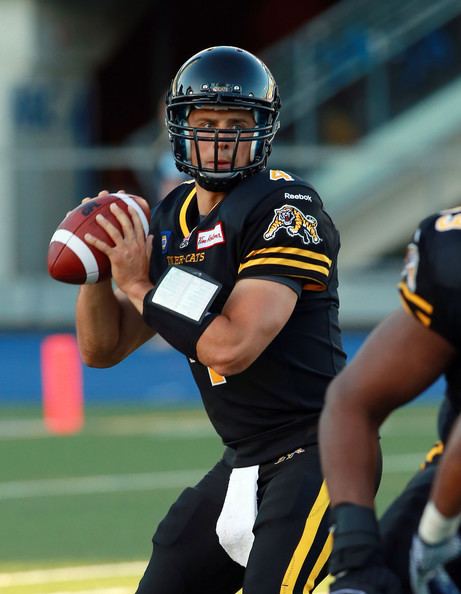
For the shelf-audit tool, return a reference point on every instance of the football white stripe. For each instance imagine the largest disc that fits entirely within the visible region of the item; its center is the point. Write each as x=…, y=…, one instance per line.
x=81, y=250
x=132, y=202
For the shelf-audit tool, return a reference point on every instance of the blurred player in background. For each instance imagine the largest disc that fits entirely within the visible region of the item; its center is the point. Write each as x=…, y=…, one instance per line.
x=403, y=356
x=239, y=274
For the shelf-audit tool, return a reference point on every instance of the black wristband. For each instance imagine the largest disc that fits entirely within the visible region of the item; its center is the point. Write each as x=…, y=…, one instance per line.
x=181, y=333
x=356, y=540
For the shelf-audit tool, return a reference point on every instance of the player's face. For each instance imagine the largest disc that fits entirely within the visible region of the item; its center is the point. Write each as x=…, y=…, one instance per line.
x=232, y=119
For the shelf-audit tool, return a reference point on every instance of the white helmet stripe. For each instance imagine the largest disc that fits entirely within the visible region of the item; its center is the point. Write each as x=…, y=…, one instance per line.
x=81, y=250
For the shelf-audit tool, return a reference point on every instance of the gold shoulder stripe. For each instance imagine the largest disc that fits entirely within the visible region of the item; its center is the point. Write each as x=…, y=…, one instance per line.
x=293, y=251
x=304, y=545
x=426, y=320
x=182, y=213
x=416, y=299
x=284, y=262
x=436, y=450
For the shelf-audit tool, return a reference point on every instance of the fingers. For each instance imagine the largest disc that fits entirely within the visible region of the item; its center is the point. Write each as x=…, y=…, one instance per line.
x=112, y=231
x=126, y=223
x=97, y=243
x=137, y=224
x=149, y=244
x=130, y=226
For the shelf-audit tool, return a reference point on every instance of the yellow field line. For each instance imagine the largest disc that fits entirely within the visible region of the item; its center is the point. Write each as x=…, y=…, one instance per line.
x=76, y=573
x=97, y=591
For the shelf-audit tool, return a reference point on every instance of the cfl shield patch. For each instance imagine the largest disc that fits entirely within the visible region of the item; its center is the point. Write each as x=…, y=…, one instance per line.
x=165, y=236
x=294, y=222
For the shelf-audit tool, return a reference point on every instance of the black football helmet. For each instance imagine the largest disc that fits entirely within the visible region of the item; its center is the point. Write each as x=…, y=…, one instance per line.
x=222, y=77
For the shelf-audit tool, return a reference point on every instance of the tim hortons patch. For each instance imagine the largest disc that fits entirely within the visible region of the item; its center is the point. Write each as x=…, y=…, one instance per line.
x=210, y=237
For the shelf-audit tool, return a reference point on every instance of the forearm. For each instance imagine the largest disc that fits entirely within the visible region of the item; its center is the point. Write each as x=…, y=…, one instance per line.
x=108, y=325
x=349, y=445
x=446, y=490
x=97, y=319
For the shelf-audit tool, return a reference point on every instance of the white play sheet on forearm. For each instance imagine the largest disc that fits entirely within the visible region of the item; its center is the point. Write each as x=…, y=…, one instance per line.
x=184, y=293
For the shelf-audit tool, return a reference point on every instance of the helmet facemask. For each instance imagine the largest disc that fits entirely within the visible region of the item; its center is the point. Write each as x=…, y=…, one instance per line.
x=185, y=140
x=248, y=85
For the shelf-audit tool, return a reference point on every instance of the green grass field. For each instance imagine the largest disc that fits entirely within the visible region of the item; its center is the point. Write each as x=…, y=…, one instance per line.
x=77, y=513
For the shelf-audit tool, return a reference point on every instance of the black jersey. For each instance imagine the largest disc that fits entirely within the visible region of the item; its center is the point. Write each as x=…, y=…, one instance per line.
x=270, y=224
x=431, y=292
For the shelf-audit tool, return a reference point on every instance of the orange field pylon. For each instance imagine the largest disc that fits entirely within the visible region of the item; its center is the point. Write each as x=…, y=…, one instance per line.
x=62, y=384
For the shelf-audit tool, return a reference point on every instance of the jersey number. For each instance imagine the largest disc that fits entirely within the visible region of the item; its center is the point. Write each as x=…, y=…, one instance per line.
x=276, y=174
x=447, y=222
x=215, y=378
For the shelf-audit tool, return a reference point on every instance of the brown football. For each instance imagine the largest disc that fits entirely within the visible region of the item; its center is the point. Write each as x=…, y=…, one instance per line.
x=70, y=258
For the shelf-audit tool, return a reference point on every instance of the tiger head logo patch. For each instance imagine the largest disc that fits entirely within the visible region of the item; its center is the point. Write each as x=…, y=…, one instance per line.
x=294, y=222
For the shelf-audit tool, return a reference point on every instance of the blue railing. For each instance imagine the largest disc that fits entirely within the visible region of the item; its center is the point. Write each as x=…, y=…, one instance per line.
x=360, y=41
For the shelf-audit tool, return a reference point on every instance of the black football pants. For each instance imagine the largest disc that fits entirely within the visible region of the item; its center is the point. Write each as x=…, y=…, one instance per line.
x=291, y=545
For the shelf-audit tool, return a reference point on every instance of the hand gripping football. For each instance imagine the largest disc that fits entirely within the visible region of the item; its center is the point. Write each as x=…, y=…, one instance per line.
x=70, y=258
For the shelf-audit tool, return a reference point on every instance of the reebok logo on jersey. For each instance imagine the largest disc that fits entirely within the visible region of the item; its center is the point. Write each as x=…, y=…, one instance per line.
x=294, y=222
x=210, y=237
x=289, y=196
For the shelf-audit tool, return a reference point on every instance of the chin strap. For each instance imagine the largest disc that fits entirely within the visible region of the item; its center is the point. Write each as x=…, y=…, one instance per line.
x=217, y=184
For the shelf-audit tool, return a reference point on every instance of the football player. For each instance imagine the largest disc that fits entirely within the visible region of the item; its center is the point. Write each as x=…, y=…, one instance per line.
x=240, y=276
x=437, y=541
x=401, y=357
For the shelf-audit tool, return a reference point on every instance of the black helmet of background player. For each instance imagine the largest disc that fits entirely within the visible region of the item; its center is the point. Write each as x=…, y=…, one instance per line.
x=219, y=78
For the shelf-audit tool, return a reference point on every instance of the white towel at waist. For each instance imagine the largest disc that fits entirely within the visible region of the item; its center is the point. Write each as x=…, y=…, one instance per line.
x=235, y=523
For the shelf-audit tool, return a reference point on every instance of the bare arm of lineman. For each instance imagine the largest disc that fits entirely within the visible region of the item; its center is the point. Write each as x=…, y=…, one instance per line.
x=399, y=360
x=252, y=316
x=446, y=489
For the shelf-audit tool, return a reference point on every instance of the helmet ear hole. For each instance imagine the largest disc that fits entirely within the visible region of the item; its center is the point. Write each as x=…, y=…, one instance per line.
x=223, y=77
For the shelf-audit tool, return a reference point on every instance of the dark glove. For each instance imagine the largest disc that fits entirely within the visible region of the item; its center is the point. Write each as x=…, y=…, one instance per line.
x=357, y=562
